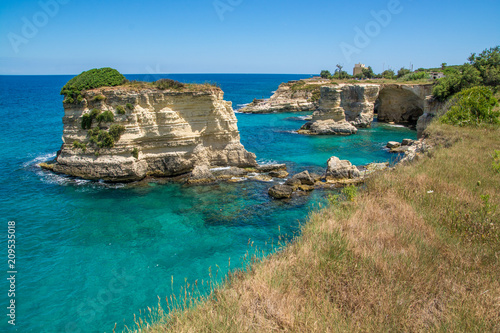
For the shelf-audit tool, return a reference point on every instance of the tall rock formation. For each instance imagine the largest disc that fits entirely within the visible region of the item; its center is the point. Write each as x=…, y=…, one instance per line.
x=342, y=109
x=156, y=132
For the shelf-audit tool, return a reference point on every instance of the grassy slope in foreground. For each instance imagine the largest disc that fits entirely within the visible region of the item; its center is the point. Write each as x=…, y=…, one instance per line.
x=398, y=258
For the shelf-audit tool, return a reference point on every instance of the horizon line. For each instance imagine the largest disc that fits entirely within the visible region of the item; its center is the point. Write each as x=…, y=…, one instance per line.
x=153, y=74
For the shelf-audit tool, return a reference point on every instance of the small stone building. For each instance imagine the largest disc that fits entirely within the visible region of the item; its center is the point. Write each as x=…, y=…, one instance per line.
x=358, y=69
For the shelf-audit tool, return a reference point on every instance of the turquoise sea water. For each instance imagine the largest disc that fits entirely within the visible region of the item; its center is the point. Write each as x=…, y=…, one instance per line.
x=89, y=255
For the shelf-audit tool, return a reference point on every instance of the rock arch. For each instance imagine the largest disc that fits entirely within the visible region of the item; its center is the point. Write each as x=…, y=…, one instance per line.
x=402, y=103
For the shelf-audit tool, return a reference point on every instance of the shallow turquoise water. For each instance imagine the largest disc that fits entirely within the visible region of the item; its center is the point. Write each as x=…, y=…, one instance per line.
x=90, y=255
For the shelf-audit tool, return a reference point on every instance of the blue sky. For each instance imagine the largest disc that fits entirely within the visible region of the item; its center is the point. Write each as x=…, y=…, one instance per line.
x=240, y=36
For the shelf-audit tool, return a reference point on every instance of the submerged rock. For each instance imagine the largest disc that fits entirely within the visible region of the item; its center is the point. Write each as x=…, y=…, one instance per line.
x=201, y=174
x=280, y=191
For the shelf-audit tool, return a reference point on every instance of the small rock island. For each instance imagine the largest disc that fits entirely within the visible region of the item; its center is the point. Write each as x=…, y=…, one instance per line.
x=120, y=131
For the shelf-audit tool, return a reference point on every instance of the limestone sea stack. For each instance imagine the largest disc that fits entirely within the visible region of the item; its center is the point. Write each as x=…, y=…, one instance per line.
x=342, y=109
x=133, y=130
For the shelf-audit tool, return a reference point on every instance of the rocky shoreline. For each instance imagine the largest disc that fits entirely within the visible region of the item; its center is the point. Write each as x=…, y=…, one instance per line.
x=341, y=173
x=189, y=133
x=342, y=108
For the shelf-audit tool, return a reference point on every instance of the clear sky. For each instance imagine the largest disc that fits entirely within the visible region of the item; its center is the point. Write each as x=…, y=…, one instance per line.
x=240, y=36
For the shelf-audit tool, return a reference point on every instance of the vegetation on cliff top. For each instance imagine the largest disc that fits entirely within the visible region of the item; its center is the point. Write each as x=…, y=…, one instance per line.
x=482, y=69
x=416, y=251
x=109, y=77
x=94, y=78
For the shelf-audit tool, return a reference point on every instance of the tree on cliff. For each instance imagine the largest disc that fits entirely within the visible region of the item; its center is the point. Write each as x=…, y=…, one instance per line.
x=368, y=72
x=339, y=70
x=403, y=71
x=482, y=69
x=325, y=74
x=488, y=64
x=388, y=74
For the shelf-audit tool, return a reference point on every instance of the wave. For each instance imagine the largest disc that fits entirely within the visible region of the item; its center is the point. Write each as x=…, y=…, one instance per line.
x=40, y=159
x=266, y=162
x=49, y=177
x=220, y=169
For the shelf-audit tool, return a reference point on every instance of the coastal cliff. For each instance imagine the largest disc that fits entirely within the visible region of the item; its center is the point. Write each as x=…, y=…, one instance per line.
x=128, y=132
x=342, y=108
x=293, y=96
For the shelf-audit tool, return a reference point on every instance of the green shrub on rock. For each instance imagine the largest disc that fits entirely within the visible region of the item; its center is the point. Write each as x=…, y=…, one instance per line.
x=135, y=152
x=164, y=84
x=116, y=131
x=105, y=117
x=120, y=109
x=94, y=78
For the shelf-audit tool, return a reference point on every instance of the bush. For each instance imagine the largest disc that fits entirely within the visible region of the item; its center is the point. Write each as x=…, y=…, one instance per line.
x=69, y=100
x=94, y=78
x=86, y=121
x=350, y=192
x=99, y=98
x=116, y=131
x=88, y=118
x=129, y=106
x=105, y=140
x=94, y=113
x=496, y=161
x=106, y=117
x=325, y=74
x=388, y=74
x=455, y=81
x=135, y=152
x=473, y=106
x=120, y=109
x=164, y=84
x=415, y=76
x=79, y=145
x=403, y=71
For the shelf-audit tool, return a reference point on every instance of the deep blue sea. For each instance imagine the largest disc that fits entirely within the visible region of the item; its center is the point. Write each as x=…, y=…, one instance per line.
x=89, y=255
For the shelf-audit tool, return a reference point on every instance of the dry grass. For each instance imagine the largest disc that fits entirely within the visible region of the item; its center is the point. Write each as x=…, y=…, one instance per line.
x=418, y=251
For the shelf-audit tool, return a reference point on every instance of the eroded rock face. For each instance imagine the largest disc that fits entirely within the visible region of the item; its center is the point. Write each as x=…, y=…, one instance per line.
x=167, y=133
x=402, y=103
x=342, y=109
